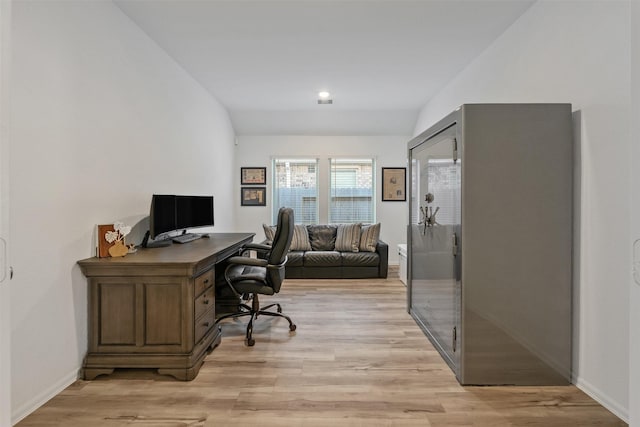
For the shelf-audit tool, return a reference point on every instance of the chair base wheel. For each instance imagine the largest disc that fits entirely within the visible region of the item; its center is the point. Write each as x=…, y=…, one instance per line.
x=292, y=327
x=250, y=342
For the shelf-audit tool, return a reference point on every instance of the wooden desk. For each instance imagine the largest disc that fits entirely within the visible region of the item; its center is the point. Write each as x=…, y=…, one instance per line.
x=156, y=308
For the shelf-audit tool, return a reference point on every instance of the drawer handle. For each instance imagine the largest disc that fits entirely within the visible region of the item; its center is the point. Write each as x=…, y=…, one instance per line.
x=205, y=301
x=206, y=281
x=205, y=324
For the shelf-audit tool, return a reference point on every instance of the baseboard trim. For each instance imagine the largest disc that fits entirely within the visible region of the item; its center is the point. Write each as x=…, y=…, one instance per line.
x=602, y=398
x=40, y=399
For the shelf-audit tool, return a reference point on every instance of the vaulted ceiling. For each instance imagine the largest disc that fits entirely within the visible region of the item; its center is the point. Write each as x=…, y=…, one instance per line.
x=381, y=60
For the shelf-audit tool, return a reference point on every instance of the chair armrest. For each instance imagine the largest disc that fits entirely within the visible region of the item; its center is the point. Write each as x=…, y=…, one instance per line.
x=243, y=260
x=261, y=248
x=257, y=247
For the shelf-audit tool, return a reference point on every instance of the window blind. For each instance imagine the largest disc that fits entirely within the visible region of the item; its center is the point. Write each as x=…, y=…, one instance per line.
x=295, y=186
x=351, y=191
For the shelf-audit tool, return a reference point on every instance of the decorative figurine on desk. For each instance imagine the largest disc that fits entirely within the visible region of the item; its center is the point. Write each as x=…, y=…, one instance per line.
x=116, y=237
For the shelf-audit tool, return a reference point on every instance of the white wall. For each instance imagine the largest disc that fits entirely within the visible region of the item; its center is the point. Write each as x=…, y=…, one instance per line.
x=634, y=160
x=102, y=118
x=577, y=52
x=5, y=306
x=389, y=151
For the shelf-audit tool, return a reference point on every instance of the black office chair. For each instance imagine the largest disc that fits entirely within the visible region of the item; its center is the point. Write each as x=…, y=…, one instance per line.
x=249, y=277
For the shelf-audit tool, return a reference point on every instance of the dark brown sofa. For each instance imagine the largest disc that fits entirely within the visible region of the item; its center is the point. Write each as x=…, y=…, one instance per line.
x=321, y=260
x=338, y=265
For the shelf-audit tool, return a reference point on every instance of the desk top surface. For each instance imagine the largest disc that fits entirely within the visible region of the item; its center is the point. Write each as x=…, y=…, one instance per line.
x=208, y=250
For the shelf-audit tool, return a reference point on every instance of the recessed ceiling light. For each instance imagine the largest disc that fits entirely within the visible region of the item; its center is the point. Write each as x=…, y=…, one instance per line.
x=324, y=97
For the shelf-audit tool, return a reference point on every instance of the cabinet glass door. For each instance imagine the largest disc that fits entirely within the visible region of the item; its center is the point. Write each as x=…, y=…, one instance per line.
x=435, y=241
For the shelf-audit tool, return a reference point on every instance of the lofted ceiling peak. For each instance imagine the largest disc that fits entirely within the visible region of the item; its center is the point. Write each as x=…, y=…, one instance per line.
x=266, y=60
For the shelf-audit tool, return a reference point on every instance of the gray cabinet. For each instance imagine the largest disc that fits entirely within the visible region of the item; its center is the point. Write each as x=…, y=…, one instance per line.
x=490, y=241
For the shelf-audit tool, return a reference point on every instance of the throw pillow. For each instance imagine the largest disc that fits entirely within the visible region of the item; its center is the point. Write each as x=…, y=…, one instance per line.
x=369, y=237
x=348, y=238
x=323, y=237
x=300, y=240
x=269, y=231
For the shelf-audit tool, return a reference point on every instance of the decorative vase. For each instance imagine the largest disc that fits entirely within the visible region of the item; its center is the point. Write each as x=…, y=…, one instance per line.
x=118, y=249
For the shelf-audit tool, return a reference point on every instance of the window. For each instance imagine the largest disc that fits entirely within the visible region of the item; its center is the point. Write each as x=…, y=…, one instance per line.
x=351, y=191
x=295, y=186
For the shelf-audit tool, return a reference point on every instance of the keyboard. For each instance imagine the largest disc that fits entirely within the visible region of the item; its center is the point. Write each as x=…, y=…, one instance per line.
x=186, y=238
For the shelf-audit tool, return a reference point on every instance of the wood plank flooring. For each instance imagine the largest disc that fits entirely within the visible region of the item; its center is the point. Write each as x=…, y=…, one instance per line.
x=356, y=359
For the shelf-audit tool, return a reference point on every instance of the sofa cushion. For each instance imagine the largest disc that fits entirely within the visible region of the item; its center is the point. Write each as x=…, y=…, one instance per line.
x=294, y=259
x=348, y=237
x=369, y=237
x=360, y=259
x=300, y=240
x=322, y=259
x=322, y=237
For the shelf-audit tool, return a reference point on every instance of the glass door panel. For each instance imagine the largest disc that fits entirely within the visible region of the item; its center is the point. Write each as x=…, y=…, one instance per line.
x=434, y=234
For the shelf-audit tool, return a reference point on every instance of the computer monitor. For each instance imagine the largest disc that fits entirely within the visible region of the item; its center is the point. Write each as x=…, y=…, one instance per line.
x=162, y=216
x=194, y=211
x=173, y=213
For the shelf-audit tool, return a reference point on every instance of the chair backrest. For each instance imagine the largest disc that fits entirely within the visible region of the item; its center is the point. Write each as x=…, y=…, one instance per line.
x=280, y=248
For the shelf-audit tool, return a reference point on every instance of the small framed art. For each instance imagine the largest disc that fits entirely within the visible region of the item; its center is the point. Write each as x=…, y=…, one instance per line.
x=102, y=245
x=394, y=184
x=253, y=176
x=253, y=196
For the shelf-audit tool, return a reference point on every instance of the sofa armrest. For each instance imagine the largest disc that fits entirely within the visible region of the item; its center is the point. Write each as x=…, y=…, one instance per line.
x=383, y=251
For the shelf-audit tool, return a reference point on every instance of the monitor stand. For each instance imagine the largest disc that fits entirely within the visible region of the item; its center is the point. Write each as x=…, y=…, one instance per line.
x=154, y=244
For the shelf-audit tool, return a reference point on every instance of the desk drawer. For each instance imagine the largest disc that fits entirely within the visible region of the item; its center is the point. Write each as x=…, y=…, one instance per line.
x=203, y=281
x=203, y=325
x=204, y=302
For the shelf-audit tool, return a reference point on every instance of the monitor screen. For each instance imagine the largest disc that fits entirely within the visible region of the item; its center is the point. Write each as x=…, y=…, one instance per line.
x=171, y=213
x=162, y=217
x=194, y=211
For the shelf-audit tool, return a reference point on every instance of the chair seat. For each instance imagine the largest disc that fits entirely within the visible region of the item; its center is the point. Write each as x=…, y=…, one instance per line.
x=249, y=279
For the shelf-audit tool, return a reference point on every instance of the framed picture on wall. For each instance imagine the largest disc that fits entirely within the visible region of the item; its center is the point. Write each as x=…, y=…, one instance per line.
x=394, y=184
x=253, y=176
x=253, y=196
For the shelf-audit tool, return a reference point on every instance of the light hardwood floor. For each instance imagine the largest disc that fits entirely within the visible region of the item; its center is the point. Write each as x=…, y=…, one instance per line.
x=356, y=359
